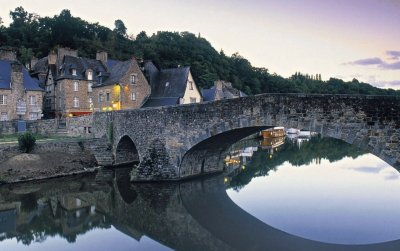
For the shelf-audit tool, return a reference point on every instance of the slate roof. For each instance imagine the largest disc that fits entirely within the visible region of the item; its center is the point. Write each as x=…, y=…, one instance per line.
x=225, y=93
x=80, y=65
x=152, y=102
x=30, y=84
x=40, y=66
x=117, y=72
x=170, y=83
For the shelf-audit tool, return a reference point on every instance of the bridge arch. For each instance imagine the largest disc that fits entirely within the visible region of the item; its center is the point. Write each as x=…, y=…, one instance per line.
x=126, y=151
x=208, y=154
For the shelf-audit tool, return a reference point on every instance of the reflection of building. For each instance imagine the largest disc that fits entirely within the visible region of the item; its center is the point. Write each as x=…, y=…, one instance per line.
x=272, y=144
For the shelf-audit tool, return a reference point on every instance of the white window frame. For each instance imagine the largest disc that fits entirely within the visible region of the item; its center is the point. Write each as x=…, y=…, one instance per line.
x=73, y=72
x=90, y=75
x=76, y=86
x=133, y=96
x=3, y=99
x=32, y=100
x=101, y=97
x=3, y=116
x=76, y=102
x=133, y=79
x=33, y=116
x=90, y=87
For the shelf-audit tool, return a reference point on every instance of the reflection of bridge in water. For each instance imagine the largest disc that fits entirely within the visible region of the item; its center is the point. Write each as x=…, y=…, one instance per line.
x=195, y=215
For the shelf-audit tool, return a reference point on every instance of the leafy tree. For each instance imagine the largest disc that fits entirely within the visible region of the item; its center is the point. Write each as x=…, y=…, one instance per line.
x=120, y=27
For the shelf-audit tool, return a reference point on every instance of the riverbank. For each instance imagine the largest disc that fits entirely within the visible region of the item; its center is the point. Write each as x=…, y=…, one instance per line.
x=27, y=167
x=48, y=160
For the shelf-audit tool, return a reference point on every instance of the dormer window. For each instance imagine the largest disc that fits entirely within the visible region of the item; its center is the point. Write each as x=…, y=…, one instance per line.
x=133, y=79
x=90, y=75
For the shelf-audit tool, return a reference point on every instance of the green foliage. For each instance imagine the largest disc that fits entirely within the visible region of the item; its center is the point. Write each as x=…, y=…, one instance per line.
x=32, y=35
x=26, y=142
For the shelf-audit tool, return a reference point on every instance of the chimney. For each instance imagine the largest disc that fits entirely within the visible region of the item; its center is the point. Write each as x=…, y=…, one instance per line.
x=52, y=58
x=102, y=56
x=66, y=52
x=34, y=60
x=218, y=84
x=17, y=80
x=8, y=55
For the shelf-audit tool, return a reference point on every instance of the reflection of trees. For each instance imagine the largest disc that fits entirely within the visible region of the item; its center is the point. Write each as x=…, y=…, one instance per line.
x=314, y=149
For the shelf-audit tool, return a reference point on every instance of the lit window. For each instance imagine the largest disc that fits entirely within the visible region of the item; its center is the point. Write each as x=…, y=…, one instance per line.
x=3, y=99
x=192, y=100
x=107, y=96
x=32, y=100
x=133, y=96
x=190, y=85
x=133, y=79
x=90, y=84
x=3, y=116
x=73, y=72
x=90, y=75
x=76, y=86
x=76, y=102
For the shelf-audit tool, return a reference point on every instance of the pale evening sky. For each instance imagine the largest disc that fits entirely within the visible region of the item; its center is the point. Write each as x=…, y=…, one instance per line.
x=336, y=38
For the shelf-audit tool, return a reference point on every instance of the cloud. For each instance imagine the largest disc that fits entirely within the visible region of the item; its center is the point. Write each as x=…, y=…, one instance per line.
x=367, y=61
x=390, y=66
x=394, y=55
x=387, y=84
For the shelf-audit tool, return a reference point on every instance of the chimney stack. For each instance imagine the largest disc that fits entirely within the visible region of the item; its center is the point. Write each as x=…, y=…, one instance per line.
x=8, y=55
x=102, y=56
x=52, y=58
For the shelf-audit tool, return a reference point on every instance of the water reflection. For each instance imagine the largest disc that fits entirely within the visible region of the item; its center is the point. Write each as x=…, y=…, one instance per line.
x=106, y=212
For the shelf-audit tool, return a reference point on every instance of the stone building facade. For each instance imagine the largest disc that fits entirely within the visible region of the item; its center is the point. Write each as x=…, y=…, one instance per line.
x=20, y=94
x=77, y=86
x=125, y=88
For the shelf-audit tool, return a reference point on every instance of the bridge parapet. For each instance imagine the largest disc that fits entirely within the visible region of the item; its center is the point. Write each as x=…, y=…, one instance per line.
x=163, y=136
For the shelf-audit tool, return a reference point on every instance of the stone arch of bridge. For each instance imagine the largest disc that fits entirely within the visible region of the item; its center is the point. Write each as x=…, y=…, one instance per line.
x=126, y=151
x=207, y=155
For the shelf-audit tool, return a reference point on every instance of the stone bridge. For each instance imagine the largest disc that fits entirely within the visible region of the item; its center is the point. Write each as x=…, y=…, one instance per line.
x=172, y=142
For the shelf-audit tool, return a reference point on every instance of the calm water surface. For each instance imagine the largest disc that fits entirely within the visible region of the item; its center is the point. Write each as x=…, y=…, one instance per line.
x=320, y=194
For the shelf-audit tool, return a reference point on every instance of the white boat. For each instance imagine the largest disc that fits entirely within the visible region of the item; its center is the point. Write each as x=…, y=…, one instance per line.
x=304, y=133
x=292, y=131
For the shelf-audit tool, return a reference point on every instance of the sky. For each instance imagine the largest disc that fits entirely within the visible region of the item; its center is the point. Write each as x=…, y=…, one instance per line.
x=335, y=38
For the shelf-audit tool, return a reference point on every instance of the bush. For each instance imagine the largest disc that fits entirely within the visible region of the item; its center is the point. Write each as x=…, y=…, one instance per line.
x=26, y=142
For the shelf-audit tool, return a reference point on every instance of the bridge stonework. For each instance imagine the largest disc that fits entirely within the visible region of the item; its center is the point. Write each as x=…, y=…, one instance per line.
x=164, y=138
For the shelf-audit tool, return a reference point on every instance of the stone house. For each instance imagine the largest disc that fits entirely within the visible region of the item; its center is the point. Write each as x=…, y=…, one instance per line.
x=221, y=90
x=75, y=85
x=170, y=86
x=20, y=94
x=124, y=87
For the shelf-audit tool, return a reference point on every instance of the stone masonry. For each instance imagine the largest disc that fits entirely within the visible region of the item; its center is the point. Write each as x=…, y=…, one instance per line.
x=166, y=134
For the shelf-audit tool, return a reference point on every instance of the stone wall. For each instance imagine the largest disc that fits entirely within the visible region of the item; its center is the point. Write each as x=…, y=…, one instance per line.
x=370, y=122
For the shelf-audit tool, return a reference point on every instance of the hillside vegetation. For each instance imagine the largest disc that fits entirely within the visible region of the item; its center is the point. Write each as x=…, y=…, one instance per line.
x=32, y=35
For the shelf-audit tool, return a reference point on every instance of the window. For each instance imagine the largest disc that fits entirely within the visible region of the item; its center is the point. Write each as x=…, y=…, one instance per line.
x=90, y=100
x=107, y=96
x=3, y=99
x=192, y=100
x=190, y=85
x=90, y=75
x=76, y=102
x=76, y=86
x=73, y=72
x=3, y=116
x=90, y=84
x=32, y=100
x=33, y=116
x=133, y=79
x=60, y=102
x=133, y=96
x=101, y=97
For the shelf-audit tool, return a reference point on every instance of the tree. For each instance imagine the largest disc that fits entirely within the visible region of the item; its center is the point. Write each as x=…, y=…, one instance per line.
x=120, y=28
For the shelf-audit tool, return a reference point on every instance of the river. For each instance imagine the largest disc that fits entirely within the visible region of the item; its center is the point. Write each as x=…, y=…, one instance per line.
x=283, y=194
